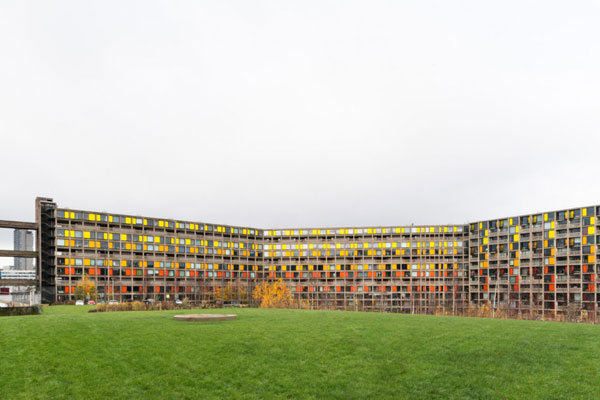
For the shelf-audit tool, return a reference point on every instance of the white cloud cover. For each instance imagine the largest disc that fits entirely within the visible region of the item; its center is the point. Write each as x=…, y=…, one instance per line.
x=303, y=113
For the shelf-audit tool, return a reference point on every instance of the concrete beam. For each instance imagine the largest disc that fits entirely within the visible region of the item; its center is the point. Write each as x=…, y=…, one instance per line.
x=18, y=282
x=32, y=226
x=18, y=253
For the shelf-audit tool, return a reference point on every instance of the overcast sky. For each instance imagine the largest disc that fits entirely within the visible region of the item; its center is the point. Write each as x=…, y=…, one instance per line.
x=300, y=113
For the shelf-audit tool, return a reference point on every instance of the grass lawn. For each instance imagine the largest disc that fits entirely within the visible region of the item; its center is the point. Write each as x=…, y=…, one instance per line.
x=69, y=353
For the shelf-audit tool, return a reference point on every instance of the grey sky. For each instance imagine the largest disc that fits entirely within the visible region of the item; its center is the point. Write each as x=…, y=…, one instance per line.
x=280, y=113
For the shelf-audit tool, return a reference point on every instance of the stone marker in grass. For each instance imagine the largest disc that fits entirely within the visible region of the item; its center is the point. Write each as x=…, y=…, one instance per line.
x=205, y=317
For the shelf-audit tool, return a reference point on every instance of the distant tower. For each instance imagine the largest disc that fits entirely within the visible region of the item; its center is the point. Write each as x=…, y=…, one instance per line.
x=23, y=241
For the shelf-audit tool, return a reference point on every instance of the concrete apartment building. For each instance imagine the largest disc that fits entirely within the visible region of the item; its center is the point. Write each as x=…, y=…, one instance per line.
x=538, y=262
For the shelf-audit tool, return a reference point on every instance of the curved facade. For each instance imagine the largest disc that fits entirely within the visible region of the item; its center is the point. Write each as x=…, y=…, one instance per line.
x=539, y=262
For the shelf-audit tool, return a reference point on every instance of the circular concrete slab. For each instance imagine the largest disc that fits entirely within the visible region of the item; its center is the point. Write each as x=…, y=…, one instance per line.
x=205, y=317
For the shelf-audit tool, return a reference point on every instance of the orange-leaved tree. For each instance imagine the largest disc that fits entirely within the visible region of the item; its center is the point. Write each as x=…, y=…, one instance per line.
x=85, y=287
x=273, y=295
x=231, y=292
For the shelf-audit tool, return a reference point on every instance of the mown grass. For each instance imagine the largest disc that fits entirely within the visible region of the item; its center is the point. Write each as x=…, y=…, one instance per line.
x=68, y=353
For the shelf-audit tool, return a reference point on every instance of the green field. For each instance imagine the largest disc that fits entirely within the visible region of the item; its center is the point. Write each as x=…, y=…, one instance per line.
x=69, y=353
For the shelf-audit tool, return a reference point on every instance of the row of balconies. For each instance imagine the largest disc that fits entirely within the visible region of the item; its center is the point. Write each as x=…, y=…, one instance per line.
x=124, y=228
x=127, y=228
x=364, y=237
